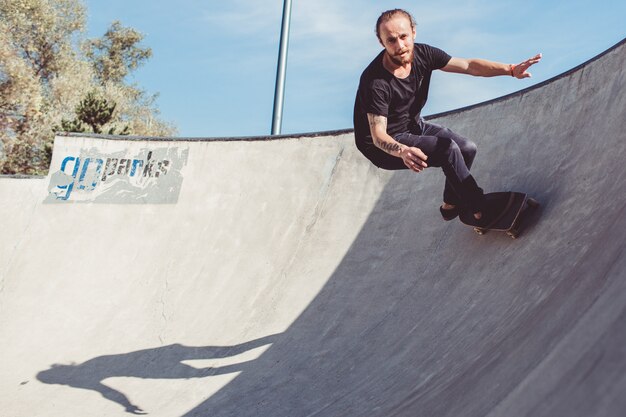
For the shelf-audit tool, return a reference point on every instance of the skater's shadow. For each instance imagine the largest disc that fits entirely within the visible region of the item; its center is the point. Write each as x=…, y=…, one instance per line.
x=164, y=362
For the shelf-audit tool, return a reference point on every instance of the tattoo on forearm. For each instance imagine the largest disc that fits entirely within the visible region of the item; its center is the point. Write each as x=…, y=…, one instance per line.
x=390, y=148
x=378, y=122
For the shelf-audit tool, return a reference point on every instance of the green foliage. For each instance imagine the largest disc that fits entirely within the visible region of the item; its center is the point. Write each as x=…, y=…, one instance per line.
x=95, y=112
x=117, y=53
x=52, y=79
x=28, y=156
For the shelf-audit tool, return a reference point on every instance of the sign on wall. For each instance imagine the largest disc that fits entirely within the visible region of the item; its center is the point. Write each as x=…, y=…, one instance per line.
x=144, y=176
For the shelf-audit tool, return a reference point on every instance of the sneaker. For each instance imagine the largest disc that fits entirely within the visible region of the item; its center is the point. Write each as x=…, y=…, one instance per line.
x=449, y=214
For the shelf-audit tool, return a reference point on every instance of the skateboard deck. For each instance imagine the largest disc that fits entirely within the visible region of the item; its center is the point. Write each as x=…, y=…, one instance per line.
x=505, y=212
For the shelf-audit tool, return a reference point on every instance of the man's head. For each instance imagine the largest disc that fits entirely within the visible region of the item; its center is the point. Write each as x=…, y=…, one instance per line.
x=395, y=30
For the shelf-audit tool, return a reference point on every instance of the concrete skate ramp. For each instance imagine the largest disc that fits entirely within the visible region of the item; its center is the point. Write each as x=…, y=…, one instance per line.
x=289, y=277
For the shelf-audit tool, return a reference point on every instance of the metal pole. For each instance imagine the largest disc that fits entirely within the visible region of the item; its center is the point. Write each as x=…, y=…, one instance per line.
x=279, y=93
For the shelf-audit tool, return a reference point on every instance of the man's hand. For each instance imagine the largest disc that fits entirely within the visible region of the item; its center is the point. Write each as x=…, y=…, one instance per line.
x=413, y=158
x=520, y=70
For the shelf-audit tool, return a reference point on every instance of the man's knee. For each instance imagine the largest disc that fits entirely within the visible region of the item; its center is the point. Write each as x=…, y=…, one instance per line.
x=445, y=147
x=453, y=148
x=468, y=148
x=449, y=152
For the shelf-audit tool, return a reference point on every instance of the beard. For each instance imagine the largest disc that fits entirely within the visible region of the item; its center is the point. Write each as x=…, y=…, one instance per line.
x=398, y=59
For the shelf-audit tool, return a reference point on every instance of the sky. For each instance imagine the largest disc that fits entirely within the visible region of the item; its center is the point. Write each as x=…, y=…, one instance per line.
x=214, y=61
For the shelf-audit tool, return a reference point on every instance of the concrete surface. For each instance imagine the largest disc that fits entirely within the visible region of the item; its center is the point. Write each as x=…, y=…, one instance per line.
x=289, y=277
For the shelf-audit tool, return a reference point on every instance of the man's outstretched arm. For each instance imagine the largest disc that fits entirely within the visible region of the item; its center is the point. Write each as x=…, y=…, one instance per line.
x=484, y=68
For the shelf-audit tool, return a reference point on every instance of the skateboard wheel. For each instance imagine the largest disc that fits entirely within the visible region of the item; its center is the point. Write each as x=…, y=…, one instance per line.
x=513, y=234
x=533, y=203
x=479, y=231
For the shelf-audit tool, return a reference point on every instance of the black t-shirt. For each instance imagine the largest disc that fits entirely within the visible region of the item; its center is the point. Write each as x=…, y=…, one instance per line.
x=400, y=100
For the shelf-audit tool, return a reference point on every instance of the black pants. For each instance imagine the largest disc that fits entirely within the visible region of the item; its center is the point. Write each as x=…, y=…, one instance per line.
x=455, y=155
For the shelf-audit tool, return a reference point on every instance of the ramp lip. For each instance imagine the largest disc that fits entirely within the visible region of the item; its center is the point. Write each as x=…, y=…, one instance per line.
x=208, y=139
x=22, y=176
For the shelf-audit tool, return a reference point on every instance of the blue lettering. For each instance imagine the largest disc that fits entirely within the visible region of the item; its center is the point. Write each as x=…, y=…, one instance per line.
x=136, y=162
x=70, y=186
x=94, y=170
x=83, y=173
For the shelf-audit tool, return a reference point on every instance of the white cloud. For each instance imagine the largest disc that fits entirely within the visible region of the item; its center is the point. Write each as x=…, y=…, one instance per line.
x=259, y=17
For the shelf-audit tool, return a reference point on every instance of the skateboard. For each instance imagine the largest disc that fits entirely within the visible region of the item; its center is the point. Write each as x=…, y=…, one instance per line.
x=505, y=212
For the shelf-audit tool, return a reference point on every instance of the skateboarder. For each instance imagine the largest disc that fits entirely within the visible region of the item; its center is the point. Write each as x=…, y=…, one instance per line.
x=392, y=91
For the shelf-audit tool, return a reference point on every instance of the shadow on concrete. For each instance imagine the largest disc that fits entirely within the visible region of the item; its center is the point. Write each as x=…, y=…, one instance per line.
x=423, y=318
x=165, y=362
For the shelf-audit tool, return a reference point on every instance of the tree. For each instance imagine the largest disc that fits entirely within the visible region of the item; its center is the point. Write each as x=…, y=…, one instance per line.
x=117, y=53
x=94, y=112
x=47, y=69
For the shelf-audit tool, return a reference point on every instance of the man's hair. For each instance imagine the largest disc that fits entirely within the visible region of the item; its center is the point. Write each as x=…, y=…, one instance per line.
x=389, y=14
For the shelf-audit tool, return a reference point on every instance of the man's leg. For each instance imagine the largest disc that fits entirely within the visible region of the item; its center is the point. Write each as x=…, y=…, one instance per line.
x=444, y=152
x=468, y=150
